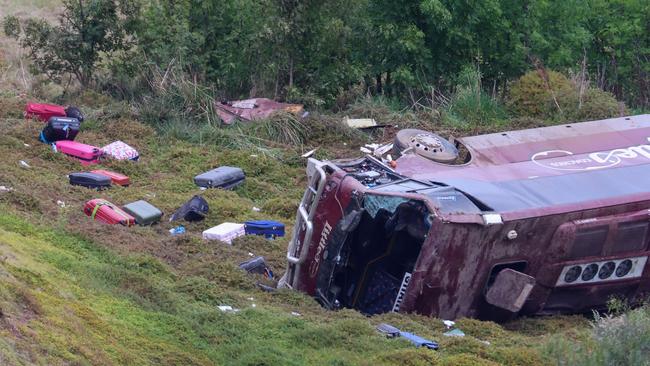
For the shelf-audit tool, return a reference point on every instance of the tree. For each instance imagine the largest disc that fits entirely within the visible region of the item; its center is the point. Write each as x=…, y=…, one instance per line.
x=87, y=30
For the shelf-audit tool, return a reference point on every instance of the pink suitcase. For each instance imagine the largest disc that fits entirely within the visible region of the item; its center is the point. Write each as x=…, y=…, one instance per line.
x=87, y=154
x=43, y=111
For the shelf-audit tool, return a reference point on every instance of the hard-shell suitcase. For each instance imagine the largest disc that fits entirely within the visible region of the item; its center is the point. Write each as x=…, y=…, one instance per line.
x=60, y=128
x=86, y=154
x=144, y=212
x=43, y=111
x=225, y=177
x=104, y=211
x=225, y=232
x=270, y=229
x=90, y=180
x=193, y=210
x=116, y=178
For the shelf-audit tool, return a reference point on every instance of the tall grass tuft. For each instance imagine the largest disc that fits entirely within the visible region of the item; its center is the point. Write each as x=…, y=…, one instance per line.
x=613, y=340
x=470, y=106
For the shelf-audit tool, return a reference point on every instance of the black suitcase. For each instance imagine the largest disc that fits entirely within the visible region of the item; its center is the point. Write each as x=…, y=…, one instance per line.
x=90, y=180
x=193, y=210
x=60, y=128
x=225, y=177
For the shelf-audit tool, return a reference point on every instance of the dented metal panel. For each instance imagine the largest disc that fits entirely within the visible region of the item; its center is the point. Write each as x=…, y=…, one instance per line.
x=541, y=221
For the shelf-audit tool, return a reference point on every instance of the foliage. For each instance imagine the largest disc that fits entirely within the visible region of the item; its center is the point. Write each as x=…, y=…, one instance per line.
x=470, y=105
x=533, y=95
x=551, y=95
x=620, y=340
x=87, y=30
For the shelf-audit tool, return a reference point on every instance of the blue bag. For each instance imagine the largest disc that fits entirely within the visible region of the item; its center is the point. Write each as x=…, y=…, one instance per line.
x=270, y=229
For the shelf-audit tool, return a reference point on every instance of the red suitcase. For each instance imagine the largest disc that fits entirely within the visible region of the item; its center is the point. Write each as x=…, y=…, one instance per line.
x=43, y=111
x=116, y=178
x=104, y=211
x=87, y=154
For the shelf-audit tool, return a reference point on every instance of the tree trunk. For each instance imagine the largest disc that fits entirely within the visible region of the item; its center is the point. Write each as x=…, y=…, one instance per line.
x=380, y=89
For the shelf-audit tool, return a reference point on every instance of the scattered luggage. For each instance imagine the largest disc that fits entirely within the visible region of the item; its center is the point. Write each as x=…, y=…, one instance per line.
x=43, y=111
x=60, y=128
x=119, y=150
x=86, y=154
x=193, y=210
x=257, y=265
x=270, y=229
x=104, y=211
x=116, y=178
x=90, y=180
x=225, y=177
x=74, y=112
x=144, y=212
x=225, y=232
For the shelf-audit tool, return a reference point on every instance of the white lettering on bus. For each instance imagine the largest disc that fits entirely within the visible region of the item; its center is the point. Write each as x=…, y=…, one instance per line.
x=595, y=160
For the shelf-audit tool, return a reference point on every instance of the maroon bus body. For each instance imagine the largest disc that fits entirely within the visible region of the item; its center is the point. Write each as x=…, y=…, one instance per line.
x=539, y=221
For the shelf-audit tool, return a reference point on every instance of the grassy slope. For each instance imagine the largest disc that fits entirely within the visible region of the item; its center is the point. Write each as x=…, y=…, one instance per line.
x=75, y=291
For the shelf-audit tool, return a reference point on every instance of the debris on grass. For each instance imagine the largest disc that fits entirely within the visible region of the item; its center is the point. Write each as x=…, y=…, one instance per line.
x=227, y=309
x=360, y=123
x=180, y=229
x=454, y=333
x=309, y=153
x=393, y=332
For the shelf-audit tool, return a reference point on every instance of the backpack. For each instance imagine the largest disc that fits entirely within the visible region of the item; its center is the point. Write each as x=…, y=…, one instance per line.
x=74, y=112
x=193, y=210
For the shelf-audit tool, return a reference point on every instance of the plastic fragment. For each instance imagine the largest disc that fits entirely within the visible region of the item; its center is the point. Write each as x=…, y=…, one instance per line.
x=454, y=333
x=449, y=323
x=180, y=229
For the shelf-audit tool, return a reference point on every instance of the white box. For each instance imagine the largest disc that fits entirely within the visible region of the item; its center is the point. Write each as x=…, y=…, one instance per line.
x=225, y=232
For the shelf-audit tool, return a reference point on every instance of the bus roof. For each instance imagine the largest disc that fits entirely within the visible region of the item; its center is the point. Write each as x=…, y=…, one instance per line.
x=549, y=169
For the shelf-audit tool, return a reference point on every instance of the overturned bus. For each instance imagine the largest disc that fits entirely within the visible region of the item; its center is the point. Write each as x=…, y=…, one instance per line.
x=538, y=221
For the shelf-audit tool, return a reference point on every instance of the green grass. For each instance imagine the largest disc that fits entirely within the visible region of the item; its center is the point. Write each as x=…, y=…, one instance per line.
x=66, y=299
x=78, y=292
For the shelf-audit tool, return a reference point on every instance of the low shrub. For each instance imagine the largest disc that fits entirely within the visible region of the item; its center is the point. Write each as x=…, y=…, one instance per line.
x=532, y=96
x=620, y=340
x=559, y=99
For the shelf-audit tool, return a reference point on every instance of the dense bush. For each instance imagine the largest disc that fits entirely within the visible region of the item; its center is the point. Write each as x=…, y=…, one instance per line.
x=551, y=95
x=324, y=53
x=532, y=95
